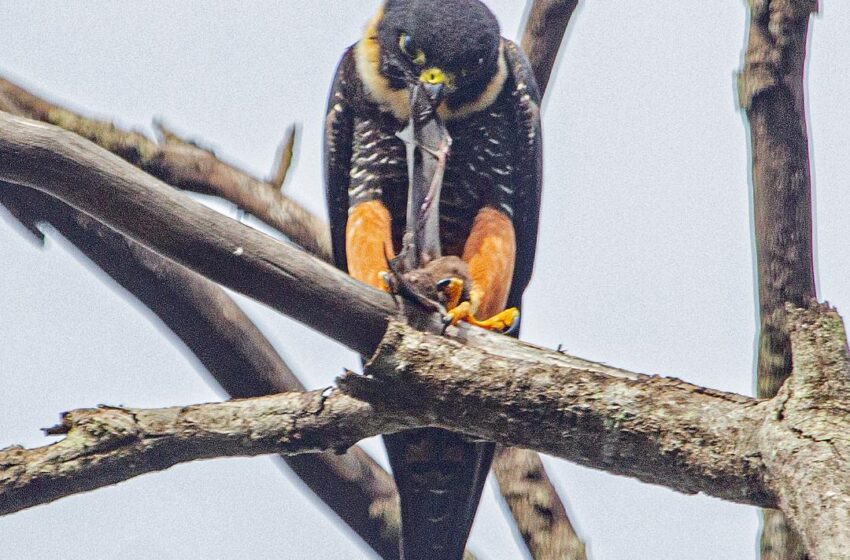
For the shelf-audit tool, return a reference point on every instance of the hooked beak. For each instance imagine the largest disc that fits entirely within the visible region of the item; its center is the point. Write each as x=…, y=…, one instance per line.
x=434, y=82
x=435, y=92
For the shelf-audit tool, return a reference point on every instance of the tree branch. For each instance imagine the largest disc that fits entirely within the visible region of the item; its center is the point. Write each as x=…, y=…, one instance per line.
x=791, y=451
x=540, y=515
x=543, y=35
x=188, y=167
x=127, y=199
x=107, y=445
x=232, y=349
x=771, y=90
x=805, y=439
x=659, y=430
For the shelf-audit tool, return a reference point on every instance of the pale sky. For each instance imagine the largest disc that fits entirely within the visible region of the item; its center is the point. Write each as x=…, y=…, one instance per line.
x=645, y=258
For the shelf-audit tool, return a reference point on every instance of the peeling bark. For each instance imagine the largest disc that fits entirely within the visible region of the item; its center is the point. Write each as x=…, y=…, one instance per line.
x=658, y=430
x=789, y=451
x=108, y=445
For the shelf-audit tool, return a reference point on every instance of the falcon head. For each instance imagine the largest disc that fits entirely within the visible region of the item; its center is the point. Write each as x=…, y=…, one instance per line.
x=453, y=47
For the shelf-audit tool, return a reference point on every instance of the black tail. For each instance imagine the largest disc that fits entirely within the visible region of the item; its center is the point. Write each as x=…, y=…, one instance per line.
x=440, y=476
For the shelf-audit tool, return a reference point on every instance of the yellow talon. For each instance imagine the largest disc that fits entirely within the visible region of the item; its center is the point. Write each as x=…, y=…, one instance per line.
x=499, y=322
x=461, y=312
x=452, y=289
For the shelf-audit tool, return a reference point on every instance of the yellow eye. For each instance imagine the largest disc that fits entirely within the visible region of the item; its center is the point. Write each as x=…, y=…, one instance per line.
x=405, y=43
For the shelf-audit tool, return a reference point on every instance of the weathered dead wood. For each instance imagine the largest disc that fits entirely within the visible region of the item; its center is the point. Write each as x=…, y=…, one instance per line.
x=541, y=516
x=544, y=32
x=805, y=440
x=232, y=349
x=771, y=90
x=107, y=445
x=790, y=451
x=187, y=166
x=129, y=200
x=659, y=430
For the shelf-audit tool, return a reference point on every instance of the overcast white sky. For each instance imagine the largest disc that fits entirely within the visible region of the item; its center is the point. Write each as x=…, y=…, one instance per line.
x=645, y=257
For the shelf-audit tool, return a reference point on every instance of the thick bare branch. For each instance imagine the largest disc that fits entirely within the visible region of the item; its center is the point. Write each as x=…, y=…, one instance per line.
x=659, y=430
x=789, y=451
x=233, y=350
x=127, y=199
x=771, y=90
x=805, y=440
x=107, y=445
x=544, y=32
x=534, y=503
x=188, y=167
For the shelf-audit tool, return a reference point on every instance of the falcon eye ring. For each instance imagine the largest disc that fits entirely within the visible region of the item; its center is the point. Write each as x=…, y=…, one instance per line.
x=405, y=43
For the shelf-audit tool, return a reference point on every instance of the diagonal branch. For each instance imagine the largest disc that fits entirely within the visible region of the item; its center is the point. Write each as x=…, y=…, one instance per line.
x=534, y=502
x=543, y=34
x=186, y=166
x=127, y=199
x=233, y=350
x=541, y=516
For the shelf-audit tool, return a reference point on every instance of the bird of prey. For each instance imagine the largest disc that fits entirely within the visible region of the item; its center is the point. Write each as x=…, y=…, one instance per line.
x=488, y=210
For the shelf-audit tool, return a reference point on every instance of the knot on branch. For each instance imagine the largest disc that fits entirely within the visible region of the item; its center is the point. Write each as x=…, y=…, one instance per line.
x=99, y=428
x=777, y=34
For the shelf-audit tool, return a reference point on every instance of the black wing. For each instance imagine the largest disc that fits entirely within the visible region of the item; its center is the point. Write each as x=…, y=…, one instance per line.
x=525, y=99
x=339, y=130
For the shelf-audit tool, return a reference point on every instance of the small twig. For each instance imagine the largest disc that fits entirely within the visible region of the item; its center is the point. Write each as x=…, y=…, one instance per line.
x=285, y=156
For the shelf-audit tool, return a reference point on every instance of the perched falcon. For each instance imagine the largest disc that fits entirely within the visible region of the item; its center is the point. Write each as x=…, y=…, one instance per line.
x=488, y=207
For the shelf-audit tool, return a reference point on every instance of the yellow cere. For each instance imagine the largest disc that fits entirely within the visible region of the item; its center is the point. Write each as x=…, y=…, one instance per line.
x=435, y=76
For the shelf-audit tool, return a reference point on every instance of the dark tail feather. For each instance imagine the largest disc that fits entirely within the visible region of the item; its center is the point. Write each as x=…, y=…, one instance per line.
x=440, y=476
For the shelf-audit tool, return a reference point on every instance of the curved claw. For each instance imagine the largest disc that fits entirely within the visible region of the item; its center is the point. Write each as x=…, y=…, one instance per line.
x=500, y=322
x=507, y=321
x=514, y=328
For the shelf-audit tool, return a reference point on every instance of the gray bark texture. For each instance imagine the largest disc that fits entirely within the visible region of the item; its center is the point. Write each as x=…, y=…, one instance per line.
x=772, y=90
x=231, y=348
x=184, y=165
x=789, y=451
